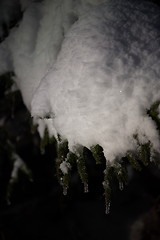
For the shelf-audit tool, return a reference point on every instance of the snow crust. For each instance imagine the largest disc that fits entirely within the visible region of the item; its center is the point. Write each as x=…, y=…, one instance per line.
x=93, y=67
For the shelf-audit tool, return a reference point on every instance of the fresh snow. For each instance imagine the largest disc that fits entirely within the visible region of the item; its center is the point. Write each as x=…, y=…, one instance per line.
x=92, y=67
x=65, y=166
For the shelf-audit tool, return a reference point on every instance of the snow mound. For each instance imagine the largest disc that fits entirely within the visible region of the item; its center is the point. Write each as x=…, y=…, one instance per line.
x=94, y=70
x=105, y=78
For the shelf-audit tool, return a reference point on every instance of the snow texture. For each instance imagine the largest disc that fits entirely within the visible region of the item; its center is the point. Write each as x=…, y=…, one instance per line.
x=93, y=67
x=65, y=166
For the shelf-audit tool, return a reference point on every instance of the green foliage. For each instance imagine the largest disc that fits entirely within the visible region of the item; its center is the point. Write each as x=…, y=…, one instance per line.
x=115, y=170
x=71, y=158
x=62, y=150
x=46, y=140
x=121, y=174
x=33, y=127
x=19, y=169
x=65, y=180
x=132, y=159
x=97, y=152
x=81, y=167
x=108, y=175
x=14, y=131
x=144, y=153
x=153, y=113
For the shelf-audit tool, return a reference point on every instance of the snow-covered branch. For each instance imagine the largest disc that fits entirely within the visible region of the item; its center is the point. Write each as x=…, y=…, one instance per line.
x=92, y=67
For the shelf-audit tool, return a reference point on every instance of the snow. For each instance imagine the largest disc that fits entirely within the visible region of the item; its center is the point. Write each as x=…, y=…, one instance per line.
x=65, y=166
x=93, y=67
x=19, y=165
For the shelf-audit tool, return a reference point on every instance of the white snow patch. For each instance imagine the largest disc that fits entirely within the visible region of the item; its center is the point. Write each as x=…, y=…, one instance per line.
x=65, y=166
x=93, y=67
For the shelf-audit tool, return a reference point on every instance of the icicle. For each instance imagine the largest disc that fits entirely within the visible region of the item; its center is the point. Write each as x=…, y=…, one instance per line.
x=121, y=185
x=108, y=206
x=86, y=188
